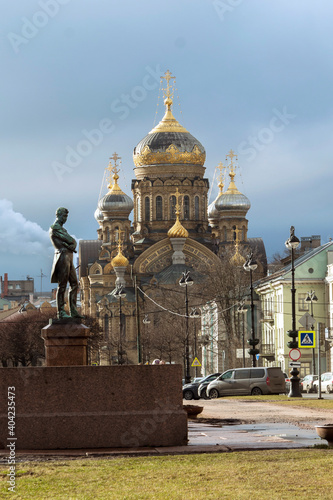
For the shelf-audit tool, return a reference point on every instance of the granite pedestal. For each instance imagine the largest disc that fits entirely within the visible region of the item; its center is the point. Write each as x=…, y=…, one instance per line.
x=66, y=342
x=80, y=407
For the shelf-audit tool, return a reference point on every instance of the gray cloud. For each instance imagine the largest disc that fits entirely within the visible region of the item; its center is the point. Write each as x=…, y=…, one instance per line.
x=20, y=236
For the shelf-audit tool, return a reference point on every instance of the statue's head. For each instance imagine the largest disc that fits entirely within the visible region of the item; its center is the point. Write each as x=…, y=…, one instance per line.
x=61, y=211
x=62, y=214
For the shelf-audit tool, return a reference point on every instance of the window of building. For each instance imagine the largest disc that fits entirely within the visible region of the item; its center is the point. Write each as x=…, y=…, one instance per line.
x=302, y=305
x=147, y=208
x=196, y=208
x=186, y=208
x=172, y=207
x=138, y=208
x=106, y=327
x=159, y=208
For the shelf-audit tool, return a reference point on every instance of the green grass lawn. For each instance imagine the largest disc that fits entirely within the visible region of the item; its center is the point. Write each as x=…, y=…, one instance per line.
x=252, y=475
x=319, y=404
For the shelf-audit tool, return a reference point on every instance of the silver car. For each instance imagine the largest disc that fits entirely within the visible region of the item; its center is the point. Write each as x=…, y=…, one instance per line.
x=326, y=382
x=243, y=381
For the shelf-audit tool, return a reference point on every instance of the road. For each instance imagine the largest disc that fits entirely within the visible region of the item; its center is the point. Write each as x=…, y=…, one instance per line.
x=249, y=411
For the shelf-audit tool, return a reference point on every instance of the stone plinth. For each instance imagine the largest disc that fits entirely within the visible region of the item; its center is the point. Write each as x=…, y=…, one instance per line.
x=66, y=343
x=82, y=407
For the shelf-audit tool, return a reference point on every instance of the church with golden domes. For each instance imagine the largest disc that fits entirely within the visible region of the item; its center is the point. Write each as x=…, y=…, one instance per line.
x=173, y=229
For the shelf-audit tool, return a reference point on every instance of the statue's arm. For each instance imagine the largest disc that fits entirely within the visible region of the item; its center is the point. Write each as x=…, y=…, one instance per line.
x=66, y=239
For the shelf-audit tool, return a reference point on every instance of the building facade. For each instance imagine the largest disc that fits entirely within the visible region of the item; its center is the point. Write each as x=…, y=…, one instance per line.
x=312, y=274
x=173, y=231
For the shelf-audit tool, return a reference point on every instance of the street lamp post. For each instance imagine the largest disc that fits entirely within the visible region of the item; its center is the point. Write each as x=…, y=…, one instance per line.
x=292, y=243
x=119, y=294
x=194, y=314
x=312, y=298
x=186, y=281
x=146, y=321
x=251, y=265
x=243, y=310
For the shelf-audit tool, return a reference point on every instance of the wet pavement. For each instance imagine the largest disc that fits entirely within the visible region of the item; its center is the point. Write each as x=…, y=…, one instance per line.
x=203, y=438
x=253, y=436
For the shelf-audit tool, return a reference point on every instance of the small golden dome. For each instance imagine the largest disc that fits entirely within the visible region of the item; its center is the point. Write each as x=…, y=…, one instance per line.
x=237, y=259
x=177, y=230
x=119, y=260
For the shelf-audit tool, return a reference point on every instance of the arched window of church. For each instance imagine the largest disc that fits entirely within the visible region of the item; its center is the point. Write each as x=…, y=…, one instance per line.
x=147, y=208
x=116, y=233
x=186, y=208
x=107, y=234
x=123, y=323
x=172, y=207
x=234, y=233
x=196, y=208
x=138, y=211
x=106, y=327
x=159, y=208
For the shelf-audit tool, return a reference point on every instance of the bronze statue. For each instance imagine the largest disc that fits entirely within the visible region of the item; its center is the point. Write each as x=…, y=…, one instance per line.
x=63, y=270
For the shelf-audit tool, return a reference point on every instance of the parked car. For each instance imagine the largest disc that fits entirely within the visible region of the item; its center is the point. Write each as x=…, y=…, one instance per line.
x=307, y=382
x=242, y=381
x=326, y=383
x=190, y=391
x=204, y=383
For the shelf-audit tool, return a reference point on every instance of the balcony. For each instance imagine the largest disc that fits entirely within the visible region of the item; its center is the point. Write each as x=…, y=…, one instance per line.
x=267, y=351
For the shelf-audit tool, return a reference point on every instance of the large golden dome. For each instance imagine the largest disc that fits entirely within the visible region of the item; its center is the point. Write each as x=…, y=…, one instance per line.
x=169, y=142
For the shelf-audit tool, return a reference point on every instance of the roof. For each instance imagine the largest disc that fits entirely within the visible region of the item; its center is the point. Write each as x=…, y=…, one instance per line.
x=172, y=274
x=88, y=253
x=281, y=273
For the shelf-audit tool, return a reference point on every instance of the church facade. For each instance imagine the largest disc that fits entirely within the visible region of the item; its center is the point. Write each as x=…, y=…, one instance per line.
x=173, y=231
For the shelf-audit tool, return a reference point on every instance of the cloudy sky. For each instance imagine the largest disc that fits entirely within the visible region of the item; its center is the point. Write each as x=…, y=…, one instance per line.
x=80, y=80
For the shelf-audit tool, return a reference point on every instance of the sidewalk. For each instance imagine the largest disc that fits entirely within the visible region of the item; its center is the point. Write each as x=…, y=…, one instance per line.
x=203, y=438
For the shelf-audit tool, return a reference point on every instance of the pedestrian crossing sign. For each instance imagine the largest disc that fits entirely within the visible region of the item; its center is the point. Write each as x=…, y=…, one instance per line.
x=196, y=362
x=307, y=339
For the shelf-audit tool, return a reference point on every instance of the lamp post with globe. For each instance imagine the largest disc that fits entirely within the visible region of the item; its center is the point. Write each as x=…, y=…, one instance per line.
x=250, y=266
x=292, y=244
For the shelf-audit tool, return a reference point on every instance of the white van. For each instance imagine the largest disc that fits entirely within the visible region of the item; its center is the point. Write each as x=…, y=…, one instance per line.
x=243, y=381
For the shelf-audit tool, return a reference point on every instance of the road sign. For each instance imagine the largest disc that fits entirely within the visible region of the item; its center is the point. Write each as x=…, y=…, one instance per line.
x=257, y=357
x=196, y=362
x=294, y=363
x=294, y=354
x=307, y=338
x=307, y=320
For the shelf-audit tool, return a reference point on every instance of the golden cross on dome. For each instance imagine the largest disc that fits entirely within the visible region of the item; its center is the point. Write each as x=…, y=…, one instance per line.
x=169, y=90
x=231, y=165
x=231, y=155
x=119, y=234
x=177, y=206
x=221, y=168
x=237, y=231
x=115, y=158
x=109, y=168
